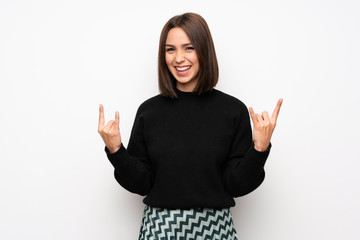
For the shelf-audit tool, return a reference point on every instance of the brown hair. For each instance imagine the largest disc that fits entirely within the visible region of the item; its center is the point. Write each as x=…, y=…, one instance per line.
x=199, y=34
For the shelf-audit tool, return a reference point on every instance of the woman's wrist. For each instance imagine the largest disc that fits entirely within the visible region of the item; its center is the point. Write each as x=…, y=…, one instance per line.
x=260, y=148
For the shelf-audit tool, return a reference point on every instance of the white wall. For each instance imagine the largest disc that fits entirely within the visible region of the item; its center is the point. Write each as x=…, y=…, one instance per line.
x=60, y=59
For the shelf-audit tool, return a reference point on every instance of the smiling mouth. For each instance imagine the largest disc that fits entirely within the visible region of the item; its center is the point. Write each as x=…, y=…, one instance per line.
x=182, y=68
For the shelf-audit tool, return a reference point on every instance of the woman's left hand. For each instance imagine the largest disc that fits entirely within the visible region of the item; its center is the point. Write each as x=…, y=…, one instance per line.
x=264, y=127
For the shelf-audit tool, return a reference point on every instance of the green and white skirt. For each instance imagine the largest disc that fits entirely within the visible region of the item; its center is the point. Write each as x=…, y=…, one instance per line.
x=179, y=224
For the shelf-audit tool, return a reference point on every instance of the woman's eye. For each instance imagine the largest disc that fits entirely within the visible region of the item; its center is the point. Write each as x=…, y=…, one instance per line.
x=189, y=48
x=170, y=49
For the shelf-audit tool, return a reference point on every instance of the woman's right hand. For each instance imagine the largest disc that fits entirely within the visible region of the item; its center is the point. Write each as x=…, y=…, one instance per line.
x=110, y=132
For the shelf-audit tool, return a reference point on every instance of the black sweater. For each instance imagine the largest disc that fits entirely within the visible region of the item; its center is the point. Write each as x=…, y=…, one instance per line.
x=189, y=152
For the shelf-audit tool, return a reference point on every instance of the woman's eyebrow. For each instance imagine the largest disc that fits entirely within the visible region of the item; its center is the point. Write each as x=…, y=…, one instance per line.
x=170, y=45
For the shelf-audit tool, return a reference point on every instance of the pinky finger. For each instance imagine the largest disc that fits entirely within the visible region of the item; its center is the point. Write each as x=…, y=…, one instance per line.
x=252, y=115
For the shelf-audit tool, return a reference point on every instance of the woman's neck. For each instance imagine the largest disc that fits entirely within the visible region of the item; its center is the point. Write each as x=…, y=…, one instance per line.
x=187, y=87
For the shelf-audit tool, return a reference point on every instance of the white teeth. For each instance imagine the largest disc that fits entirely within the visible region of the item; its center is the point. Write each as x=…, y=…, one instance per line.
x=182, y=68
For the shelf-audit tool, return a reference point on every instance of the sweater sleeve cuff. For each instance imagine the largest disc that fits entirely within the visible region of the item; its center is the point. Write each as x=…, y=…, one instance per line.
x=261, y=156
x=115, y=157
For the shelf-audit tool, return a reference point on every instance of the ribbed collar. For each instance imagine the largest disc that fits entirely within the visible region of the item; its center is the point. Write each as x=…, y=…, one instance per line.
x=182, y=94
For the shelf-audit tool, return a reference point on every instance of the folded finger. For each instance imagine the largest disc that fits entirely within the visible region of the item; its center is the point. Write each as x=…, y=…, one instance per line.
x=259, y=118
x=108, y=126
x=265, y=116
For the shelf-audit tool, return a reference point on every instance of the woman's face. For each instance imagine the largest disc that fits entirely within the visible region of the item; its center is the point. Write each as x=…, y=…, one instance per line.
x=181, y=59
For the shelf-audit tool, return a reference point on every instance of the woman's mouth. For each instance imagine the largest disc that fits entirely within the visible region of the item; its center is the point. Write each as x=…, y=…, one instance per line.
x=182, y=70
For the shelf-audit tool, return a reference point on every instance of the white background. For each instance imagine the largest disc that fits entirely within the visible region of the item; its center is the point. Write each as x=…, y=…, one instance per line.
x=60, y=59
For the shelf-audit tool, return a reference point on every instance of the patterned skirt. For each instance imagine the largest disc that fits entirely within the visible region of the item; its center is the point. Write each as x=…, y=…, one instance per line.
x=179, y=224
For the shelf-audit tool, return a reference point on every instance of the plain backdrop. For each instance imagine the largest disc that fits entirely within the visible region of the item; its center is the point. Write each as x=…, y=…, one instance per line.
x=60, y=59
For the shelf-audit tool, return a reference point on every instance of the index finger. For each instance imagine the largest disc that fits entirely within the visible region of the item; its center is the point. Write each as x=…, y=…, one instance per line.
x=276, y=111
x=117, y=117
x=101, y=117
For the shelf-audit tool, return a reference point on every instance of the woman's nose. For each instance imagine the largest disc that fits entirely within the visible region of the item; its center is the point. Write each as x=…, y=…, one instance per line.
x=179, y=56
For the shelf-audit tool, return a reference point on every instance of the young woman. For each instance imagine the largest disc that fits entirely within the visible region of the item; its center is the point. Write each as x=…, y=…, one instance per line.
x=191, y=149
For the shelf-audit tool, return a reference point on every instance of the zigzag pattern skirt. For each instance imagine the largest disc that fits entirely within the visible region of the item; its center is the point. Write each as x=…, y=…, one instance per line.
x=179, y=224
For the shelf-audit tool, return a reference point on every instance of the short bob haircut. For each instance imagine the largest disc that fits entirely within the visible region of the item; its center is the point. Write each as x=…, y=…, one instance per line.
x=199, y=34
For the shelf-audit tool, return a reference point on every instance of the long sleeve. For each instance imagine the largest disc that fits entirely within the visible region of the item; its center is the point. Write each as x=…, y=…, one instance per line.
x=244, y=169
x=132, y=167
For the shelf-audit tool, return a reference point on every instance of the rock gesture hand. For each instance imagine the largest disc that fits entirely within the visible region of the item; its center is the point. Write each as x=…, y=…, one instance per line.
x=110, y=132
x=264, y=127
